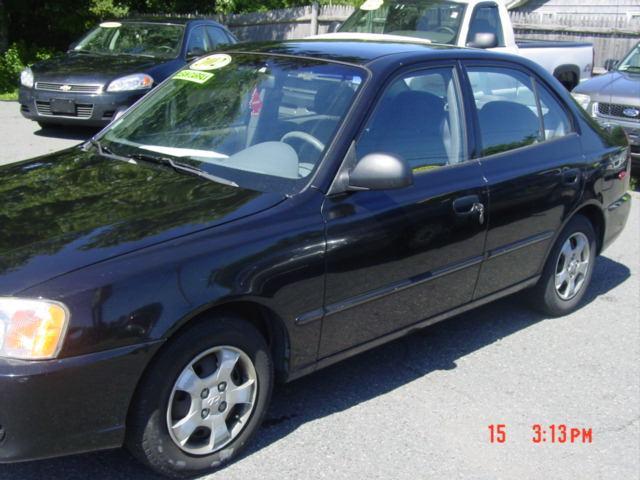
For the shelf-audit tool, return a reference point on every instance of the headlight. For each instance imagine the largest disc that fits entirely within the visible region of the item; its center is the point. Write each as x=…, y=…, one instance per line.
x=583, y=100
x=31, y=329
x=26, y=78
x=137, y=81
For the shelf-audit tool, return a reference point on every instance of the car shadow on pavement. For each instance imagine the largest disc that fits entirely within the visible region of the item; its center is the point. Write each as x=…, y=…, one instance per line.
x=347, y=384
x=67, y=132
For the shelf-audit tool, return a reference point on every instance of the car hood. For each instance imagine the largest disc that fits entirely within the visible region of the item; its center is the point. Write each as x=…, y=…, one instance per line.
x=71, y=209
x=85, y=68
x=614, y=87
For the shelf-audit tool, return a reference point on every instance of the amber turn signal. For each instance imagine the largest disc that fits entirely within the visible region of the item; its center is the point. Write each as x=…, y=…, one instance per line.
x=31, y=329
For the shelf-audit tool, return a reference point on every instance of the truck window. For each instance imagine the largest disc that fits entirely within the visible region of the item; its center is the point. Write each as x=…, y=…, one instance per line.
x=486, y=19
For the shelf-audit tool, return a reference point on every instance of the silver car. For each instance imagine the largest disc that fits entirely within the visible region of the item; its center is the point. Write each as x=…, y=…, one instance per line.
x=615, y=98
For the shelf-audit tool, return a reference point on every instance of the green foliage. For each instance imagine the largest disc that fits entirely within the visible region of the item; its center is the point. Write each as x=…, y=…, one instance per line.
x=10, y=67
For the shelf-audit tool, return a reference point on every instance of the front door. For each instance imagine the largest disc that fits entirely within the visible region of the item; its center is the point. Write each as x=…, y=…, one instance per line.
x=396, y=257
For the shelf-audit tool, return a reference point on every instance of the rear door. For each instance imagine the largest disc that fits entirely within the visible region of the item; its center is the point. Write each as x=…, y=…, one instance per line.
x=531, y=156
x=396, y=257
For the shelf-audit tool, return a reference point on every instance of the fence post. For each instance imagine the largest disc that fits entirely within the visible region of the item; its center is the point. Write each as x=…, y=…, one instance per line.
x=314, y=18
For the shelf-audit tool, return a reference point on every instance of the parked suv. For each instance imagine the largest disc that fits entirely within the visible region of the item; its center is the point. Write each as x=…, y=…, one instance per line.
x=614, y=98
x=112, y=66
x=269, y=211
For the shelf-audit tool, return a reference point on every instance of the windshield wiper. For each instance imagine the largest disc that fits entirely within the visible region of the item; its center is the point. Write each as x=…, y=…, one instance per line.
x=181, y=167
x=101, y=148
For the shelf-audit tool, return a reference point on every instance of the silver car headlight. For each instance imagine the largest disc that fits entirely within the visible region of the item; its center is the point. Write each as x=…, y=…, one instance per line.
x=582, y=99
x=137, y=81
x=31, y=329
x=26, y=78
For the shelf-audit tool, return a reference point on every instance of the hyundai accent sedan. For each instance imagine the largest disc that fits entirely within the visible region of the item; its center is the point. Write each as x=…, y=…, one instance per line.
x=271, y=210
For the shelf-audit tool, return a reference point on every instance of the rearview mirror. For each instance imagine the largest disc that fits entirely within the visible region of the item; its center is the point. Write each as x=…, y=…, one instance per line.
x=484, y=40
x=610, y=64
x=380, y=171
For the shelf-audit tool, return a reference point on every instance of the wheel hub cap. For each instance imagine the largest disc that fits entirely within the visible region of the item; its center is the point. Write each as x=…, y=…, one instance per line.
x=212, y=400
x=572, y=266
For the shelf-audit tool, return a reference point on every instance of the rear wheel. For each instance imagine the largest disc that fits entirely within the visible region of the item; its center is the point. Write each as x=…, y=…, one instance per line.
x=567, y=273
x=203, y=399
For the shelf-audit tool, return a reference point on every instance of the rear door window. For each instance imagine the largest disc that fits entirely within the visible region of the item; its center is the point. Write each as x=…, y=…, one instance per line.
x=198, y=42
x=507, y=108
x=217, y=37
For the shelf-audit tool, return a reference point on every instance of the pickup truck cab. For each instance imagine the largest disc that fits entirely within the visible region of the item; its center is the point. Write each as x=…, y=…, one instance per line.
x=466, y=23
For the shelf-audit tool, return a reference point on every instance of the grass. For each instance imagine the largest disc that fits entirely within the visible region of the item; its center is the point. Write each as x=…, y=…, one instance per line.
x=9, y=95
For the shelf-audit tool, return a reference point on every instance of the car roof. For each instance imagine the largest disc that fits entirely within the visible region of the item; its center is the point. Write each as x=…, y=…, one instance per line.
x=166, y=19
x=366, y=52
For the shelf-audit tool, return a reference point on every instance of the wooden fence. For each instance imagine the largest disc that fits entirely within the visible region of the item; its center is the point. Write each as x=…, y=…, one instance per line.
x=611, y=35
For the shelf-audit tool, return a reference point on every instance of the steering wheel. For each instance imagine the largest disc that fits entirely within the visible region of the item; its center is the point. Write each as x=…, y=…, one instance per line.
x=310, y=139
x=445, y=29
x=165, y=48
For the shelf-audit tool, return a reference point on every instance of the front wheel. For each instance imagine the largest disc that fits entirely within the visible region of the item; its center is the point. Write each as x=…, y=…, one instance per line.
x=203, y=399
x=567, y=273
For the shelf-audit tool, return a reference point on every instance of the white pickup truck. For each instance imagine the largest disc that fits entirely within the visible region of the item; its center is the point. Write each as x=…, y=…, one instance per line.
x=465, y=23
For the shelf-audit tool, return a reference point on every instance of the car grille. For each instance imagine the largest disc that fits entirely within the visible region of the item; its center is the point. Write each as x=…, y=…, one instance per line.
x=83, y=110
x=68, y=87
x=616, y=110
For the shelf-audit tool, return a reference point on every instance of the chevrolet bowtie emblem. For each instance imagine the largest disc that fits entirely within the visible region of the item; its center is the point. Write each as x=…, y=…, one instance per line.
x=65, y=88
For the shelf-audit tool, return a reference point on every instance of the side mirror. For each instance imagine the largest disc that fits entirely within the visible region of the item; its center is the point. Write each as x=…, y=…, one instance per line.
x=195, y=52
x=380, y=171
x=610, y=64
x=484, y=40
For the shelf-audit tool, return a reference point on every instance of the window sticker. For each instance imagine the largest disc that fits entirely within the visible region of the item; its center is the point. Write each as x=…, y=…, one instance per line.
x=425, y=168
x=371, y=5
x=110, y=24
x=193, y=76
x=212, y=62
x=256, y=103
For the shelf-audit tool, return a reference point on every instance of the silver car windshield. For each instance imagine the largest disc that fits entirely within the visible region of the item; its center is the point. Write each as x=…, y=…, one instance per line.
x=261, y=122
x=146, y=39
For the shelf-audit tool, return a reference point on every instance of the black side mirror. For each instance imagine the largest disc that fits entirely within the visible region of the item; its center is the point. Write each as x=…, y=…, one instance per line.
x=484, y=40
x=380, y=171
x=610, y=64
x=195, y=52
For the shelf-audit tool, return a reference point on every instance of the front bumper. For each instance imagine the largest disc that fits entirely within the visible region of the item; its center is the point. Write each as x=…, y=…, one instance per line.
x=67, y=406
x=91, y=109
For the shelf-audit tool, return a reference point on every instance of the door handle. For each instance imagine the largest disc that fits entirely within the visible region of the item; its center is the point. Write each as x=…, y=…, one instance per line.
x=571, y=176
x=469, y=205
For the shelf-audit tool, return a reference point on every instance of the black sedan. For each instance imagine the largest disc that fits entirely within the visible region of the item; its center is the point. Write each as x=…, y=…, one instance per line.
x=269, y=211
x=112, y=66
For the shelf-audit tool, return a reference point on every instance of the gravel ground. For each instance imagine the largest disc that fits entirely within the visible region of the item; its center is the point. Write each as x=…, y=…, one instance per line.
x=420, y=407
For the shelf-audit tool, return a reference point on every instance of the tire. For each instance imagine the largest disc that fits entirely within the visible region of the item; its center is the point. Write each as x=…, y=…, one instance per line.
x=154, y=431
x=557, y=301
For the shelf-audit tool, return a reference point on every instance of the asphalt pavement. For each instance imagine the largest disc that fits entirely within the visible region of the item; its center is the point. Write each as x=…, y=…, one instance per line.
x=420, y=407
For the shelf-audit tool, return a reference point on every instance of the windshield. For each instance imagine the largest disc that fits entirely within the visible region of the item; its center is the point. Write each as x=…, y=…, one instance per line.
x=260, y=122
x=632, y=60
x=141, y=39
x=434, y=20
